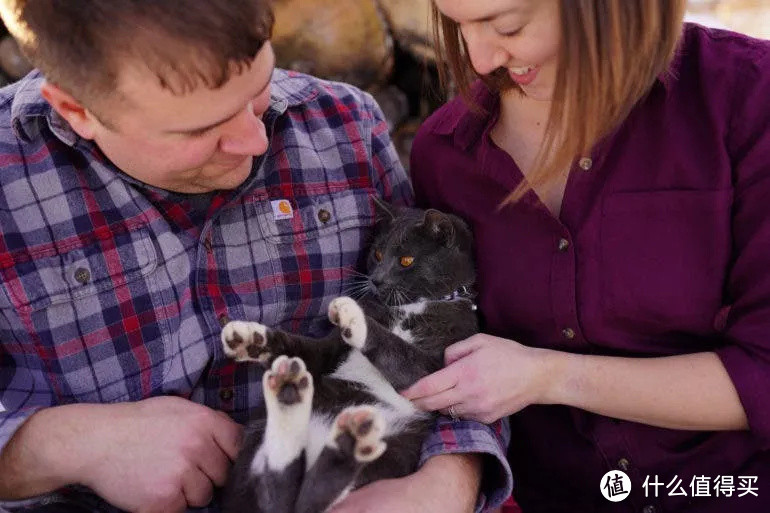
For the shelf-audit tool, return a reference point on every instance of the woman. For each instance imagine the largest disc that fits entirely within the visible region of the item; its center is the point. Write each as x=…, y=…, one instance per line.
x=615, y=166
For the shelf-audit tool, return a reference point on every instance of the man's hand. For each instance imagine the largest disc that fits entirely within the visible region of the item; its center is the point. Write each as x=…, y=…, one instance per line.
x=158, y=455
x=448, y=483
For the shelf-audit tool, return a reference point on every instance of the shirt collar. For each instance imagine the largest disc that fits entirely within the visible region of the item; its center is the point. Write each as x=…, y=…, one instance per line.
x=29, y=110
x=466, y=124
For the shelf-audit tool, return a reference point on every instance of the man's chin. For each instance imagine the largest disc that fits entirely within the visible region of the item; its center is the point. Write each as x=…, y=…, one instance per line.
x=227, y=178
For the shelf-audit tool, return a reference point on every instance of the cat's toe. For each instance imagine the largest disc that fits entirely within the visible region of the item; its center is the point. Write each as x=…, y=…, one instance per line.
x=288, y=382
x=246, y=341
x=345, y=313
x=358, y=430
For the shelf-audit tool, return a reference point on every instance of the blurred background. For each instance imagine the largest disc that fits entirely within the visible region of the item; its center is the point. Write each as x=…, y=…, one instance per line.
x=384, y=47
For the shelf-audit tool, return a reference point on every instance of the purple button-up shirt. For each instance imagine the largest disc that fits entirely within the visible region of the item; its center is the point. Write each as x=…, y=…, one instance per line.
x=662, y=248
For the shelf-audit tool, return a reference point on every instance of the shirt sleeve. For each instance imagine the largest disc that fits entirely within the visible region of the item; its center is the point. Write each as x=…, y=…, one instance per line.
x=746, y=351
x=490, y=441
x=23, y=391
x=387, y=171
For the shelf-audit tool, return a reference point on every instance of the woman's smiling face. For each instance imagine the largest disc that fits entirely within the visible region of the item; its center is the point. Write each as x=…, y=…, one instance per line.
x=521, y=36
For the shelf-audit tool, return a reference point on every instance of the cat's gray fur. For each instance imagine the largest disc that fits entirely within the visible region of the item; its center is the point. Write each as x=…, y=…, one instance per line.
x=299, y=458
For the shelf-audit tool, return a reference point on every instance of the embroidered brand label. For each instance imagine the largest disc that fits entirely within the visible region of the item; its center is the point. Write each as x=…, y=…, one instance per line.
x=282, y=209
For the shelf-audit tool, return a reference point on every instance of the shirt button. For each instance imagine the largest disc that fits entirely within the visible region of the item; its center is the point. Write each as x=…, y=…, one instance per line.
x=649, y=509
x=623, y=464
x=83, y=275
x=568, y=333
x=226, y=394
x=223, y=320
x=324, y=216
x=585, y=163
x=563, y=245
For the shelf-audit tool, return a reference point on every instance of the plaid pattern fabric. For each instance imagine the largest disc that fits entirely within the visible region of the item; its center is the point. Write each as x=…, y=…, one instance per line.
x=112, y=290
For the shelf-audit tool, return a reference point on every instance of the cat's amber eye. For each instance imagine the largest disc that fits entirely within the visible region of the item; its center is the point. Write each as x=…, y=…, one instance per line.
x=406, y=261
x=378, y=255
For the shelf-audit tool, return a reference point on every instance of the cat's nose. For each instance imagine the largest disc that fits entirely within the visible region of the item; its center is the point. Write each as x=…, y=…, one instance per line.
x=376, y=282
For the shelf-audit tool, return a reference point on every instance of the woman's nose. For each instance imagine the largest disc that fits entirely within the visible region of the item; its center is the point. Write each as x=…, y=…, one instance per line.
x=484, y=50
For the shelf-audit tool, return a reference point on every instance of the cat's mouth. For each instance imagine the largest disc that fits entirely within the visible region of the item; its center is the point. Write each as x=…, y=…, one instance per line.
x=391, y=296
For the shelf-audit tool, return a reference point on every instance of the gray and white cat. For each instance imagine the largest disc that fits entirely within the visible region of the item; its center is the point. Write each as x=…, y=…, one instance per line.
x=334, y=420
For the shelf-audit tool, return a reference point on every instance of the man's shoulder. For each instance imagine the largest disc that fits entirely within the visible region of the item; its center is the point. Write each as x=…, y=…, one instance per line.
x=300, y=90
x=8, y=98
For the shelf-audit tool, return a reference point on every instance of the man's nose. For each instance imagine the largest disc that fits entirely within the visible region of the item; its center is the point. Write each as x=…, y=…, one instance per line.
x=245, y=134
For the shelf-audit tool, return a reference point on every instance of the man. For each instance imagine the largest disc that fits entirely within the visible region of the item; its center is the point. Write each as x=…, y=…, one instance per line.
x=158, y=177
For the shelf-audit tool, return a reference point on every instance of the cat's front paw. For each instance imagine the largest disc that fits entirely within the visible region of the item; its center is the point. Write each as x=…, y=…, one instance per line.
x=345, y=313
x=246, y=341
x=358, y=431
x=288, y=383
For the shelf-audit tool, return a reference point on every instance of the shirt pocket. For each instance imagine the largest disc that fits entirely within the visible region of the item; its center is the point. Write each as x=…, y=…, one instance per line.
x=93, y=314
x=664, y=259
x=315, y=251
x=317, y=216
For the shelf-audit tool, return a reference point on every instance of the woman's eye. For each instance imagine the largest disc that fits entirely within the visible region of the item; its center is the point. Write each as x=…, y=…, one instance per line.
x=508, y=33
x=406, y=261
x=197, y=133
x=378, y=255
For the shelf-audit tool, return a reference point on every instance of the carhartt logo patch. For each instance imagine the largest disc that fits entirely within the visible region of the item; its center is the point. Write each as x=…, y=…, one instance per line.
x=282, y=209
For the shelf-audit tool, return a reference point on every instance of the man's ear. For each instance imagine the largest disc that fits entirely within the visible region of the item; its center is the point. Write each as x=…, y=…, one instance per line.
x=78, y=117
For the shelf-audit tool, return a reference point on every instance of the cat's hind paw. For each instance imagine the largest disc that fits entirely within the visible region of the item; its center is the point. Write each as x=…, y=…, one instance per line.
x=345, y=313
x=288, y=383
x=246, y=341
x=358, y=431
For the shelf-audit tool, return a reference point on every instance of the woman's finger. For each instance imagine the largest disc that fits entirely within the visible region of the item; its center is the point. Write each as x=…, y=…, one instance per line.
x=461, y=349
x=441, y=401
x=433, y=384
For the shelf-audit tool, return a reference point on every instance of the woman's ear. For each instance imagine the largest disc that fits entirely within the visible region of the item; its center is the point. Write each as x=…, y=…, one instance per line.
x=78, y=117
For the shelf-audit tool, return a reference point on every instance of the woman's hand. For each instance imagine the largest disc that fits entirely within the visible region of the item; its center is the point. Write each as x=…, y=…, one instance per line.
x=487, y=378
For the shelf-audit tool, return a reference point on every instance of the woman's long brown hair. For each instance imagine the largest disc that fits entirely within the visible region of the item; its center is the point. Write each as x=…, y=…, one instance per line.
x=611, y=52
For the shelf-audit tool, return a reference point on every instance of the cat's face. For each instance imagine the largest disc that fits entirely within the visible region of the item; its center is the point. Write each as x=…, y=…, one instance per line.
x=419, y=254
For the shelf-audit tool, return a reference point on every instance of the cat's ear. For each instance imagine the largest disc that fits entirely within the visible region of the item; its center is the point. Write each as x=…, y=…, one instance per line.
x=439, y=226
x=383, y=211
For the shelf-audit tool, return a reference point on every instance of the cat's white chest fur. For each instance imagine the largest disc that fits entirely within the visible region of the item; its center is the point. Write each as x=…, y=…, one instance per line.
x=396, y=411
x=403, y=313
x=358, y=368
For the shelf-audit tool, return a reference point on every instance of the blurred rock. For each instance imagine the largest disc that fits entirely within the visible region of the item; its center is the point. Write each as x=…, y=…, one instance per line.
x=410, y=24
x=394, y=104
x=12, y=62
x=345, y=40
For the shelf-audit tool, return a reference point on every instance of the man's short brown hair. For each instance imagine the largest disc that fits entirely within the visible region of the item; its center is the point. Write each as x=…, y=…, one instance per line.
x=82, y=46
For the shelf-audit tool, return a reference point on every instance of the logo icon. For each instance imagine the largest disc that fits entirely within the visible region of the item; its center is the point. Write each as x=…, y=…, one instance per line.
x=615, y=485
x=282, y=209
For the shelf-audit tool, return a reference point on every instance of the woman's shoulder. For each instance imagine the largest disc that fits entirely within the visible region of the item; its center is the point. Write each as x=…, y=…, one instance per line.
x=721, y=55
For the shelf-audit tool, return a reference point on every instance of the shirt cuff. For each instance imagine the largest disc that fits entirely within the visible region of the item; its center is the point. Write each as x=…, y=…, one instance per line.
x=10, y=422
x=463, y=437
x=72, y=498
x=751, y=379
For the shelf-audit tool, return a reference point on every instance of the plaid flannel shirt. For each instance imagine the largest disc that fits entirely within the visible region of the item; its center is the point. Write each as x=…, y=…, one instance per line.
x=112, y=290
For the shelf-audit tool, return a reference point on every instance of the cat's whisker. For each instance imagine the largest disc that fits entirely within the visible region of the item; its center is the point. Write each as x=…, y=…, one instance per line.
x=352, y=271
